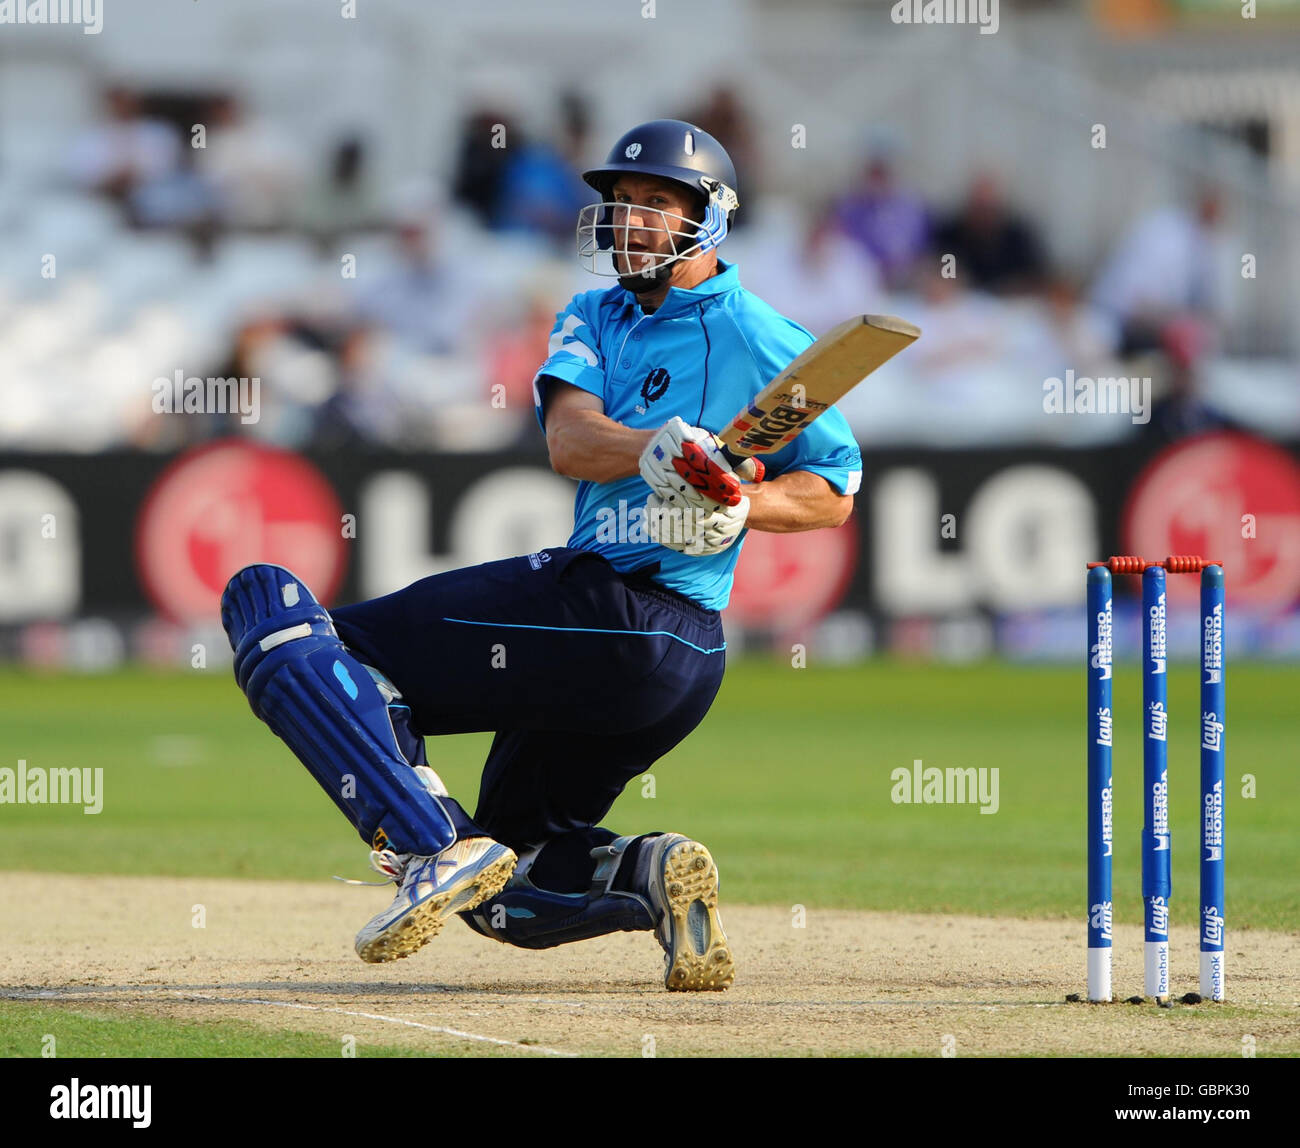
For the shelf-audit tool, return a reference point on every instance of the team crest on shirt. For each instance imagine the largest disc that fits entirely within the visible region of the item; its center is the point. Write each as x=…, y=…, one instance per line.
x=654, y=388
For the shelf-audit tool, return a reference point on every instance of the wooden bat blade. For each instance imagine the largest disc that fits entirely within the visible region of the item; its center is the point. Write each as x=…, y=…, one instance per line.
x=816, y=380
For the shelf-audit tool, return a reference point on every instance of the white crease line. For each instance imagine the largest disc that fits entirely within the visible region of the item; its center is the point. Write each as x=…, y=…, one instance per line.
x=46, y=994
x=73, y=992
x=375, y=1016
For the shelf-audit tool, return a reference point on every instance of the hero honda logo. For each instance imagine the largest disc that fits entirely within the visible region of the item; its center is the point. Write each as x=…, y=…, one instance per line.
x=1212, y=823
x=1213, y=646
x=1156, y=620
x=1108, y=822
x=1160, y=812
x=1101, y=653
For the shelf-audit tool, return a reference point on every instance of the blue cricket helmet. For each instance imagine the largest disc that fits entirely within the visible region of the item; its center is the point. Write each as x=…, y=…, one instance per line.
x=676, y=150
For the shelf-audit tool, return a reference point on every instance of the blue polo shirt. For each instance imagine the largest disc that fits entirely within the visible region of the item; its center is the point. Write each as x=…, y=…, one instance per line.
x=703, y=355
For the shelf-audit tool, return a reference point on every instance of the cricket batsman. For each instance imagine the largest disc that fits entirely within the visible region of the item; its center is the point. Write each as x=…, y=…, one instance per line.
x=588, y=661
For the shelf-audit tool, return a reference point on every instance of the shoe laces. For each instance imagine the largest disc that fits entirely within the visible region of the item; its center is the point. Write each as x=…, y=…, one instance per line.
x=391, y=865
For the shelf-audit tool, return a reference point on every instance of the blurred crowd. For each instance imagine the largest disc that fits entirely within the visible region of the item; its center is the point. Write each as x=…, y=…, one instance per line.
x=415, y=317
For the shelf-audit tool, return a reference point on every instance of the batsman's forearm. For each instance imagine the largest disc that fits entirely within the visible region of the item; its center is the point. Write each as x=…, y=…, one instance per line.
x=594, y=447
x=796, y=501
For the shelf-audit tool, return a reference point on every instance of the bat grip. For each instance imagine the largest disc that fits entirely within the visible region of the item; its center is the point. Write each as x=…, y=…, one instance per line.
x=748, y=467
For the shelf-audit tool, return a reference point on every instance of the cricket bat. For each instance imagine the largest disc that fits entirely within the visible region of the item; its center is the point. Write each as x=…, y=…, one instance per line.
x=814, y=382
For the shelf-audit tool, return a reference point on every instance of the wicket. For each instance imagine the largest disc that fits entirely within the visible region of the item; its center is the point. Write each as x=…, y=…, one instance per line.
x=1156, y=841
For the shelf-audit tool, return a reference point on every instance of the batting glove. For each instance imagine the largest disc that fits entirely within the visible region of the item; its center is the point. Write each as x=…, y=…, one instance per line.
x=694, y=530
x=685, y=467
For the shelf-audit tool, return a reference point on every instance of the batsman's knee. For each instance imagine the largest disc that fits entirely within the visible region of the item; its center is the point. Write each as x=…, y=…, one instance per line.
x=263, y=607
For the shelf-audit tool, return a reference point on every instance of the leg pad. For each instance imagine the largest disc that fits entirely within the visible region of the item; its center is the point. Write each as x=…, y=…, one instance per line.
x=331, y=710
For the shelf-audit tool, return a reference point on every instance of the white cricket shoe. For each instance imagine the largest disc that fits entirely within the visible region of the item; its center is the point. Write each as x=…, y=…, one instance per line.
x=429, y=891
x=683, y=888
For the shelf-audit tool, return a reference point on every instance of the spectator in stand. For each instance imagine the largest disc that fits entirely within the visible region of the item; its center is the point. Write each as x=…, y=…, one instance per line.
x=1066, y=333
x=246, y=358
x=361, y=413
x=345, y=200
x=1180, y=412
x=520, y=342
x=428, y=303
x=1164, y=267
x=482, y=157
x=128, y=150
x=966, y=332
x=541, y=189
x=997, y=250
x=296, y=372
x=256, y=168
x=890, y=224
x=181, y=199
x=818, y=276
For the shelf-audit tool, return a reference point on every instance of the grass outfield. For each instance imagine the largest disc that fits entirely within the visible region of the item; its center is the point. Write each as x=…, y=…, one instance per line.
x=788, y=781
x=92, y=1031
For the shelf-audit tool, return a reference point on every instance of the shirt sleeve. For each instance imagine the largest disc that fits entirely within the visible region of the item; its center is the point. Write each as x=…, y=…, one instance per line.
x=827, y=448
x=573, y=355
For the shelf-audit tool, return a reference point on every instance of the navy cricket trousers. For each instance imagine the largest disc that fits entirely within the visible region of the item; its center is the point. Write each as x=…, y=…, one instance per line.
x=586, y=676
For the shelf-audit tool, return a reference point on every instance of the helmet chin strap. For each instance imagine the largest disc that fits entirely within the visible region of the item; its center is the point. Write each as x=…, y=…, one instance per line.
x=641, y=284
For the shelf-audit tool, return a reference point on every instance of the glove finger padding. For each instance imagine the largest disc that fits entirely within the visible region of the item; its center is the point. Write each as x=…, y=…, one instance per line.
x=707, y=475
x=693, y=530
x=677, y=485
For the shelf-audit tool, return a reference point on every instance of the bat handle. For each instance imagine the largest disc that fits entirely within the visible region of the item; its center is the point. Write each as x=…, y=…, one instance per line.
x=748, y=467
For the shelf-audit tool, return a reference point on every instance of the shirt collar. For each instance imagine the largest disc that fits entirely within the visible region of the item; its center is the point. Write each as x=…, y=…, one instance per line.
x=680, y=299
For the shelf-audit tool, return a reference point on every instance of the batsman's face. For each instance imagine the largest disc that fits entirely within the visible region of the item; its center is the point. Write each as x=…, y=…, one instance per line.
x=652, y=221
